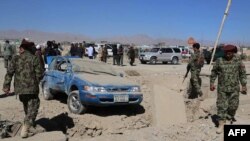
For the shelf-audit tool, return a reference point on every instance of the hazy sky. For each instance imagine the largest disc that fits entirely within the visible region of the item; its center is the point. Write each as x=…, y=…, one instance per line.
x=156, y=18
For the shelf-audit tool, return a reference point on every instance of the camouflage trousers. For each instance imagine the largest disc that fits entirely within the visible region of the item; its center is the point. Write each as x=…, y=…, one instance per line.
x=120, y=59
x=115, y=59
x=104, y=58
x=7, y=60
x=194, y=89
x=31, y=103
x=131, y=60
x=227, y=104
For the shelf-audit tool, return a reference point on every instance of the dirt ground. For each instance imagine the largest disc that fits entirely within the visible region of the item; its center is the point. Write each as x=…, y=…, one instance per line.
x=164, y=114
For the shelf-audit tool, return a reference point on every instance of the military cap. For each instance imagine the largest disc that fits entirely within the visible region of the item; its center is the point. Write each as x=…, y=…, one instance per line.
x=25, y=44
x=196, y=45
x=230, y=48
x=29, y=46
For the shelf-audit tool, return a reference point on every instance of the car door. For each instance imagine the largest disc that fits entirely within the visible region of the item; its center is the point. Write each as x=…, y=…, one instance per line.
x=49, y=74
x=160, y=56
x=164, y=54
x=110, y=53
x=168, y=54
x=177, y=52
x=60, y=74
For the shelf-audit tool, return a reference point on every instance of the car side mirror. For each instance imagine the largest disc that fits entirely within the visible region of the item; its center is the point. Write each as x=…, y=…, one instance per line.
x=160, y=52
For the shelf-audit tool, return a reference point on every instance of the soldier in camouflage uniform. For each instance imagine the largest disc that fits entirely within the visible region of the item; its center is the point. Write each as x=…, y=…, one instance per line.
x=8, y=52
x=131, y=55
x=230, y=71
x=27, y=73
x=195, y=64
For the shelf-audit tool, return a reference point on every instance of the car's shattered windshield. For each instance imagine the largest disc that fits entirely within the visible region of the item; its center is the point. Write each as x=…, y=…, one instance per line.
x=94, y=67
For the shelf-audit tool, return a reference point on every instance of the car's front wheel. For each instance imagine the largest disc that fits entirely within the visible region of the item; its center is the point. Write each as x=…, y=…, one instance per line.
x=47, y=95
x=74, y=104
x=143, y=62
x=153, y=60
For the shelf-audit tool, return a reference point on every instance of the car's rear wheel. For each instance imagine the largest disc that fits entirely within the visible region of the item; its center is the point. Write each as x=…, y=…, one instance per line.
x=175, y=60
x=74, y=104
x=152, y=60
x=47, y=95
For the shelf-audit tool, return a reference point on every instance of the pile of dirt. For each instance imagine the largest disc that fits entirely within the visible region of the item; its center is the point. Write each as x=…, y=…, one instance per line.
x=132, y=73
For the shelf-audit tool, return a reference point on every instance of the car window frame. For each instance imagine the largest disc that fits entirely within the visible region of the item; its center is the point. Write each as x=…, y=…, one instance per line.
x=169, y=49
x=177, y=49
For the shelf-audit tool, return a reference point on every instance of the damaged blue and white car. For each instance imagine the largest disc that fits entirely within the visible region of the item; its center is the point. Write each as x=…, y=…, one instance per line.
x=88, y=83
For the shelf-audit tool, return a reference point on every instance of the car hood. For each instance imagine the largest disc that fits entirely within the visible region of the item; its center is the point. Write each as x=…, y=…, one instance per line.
x=105, y=79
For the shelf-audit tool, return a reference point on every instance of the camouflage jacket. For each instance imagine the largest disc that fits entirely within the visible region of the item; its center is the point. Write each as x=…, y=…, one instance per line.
x=27, y=72
x=196, y=61
x=7, y=50
x=131, y=53
x=229, y=73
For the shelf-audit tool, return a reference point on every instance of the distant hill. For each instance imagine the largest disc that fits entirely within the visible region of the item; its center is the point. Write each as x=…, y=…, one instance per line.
x=40, y=36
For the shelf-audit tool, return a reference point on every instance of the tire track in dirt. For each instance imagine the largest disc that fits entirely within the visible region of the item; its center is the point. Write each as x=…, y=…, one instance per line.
x=169, y=105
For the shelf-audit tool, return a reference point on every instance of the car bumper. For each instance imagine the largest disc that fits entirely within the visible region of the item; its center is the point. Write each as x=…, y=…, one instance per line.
x=109, y=99
x=144, y=58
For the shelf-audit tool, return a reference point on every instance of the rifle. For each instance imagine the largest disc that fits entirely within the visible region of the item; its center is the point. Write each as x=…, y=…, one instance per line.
x=188, y=69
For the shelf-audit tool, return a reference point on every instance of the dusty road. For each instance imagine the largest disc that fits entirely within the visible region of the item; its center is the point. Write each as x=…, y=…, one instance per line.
x=163, y=115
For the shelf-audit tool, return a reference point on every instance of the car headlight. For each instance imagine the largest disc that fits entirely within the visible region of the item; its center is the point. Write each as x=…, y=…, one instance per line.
x=135, y=89
x=94, y=89
x=148, y=56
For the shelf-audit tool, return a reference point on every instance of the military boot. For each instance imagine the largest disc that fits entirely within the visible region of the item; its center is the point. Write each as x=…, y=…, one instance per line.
x=229, y=122
x=25, y=130
x=201, y=96
x=221, y=126
x=232, y=120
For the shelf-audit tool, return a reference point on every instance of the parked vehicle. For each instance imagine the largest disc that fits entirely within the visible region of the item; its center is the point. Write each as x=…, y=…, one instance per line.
x=161, y=54
x=97, y=46
x=109, y=48
x=185, y=52
x=219, y=52
x=87, y=83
